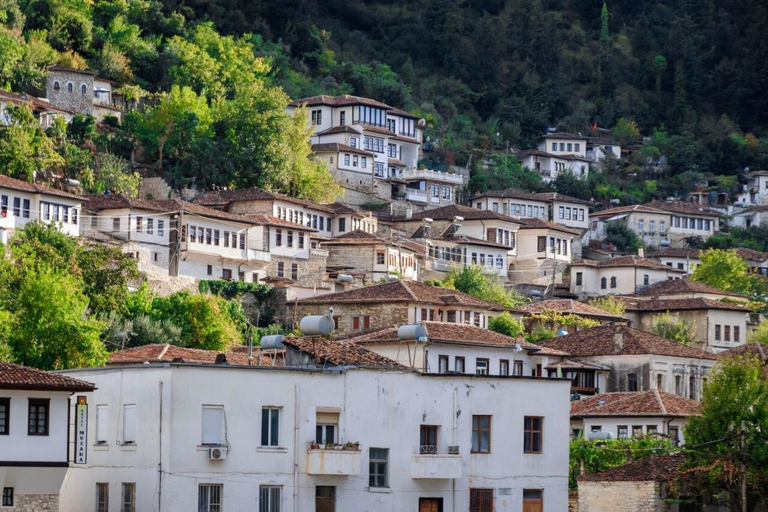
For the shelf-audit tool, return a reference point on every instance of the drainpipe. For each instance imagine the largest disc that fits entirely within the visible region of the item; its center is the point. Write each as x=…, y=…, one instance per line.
x=160, y=455
x=453, y=440
x=295, y=447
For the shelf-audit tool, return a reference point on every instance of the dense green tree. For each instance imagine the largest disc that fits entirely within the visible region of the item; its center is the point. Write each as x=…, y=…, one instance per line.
x=475, y=280
x=506, y=324
x=727, y=271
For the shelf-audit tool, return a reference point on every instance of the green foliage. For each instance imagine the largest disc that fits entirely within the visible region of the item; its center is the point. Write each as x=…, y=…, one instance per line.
x=24, y=147
x=569, y=184
x=540, y=332
x=727, y=271
x=609, y=304
x=114, y=175
x=626, y=132
x=234, y=289
x=759, y=335
x=475, y=280
x=504, y=172
x=621, y=236
x=506, y=324
x=736, y=394
x=755, y=237
x=673, y=328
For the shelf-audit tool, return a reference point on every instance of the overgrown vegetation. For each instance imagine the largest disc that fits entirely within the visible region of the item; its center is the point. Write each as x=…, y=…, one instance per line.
x=475, y=280
x=674, y=328
x=727, y=271
x=505, y=324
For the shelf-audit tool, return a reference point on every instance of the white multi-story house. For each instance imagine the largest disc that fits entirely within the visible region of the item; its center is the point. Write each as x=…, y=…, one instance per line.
x=599, y=147
x=370, y=257
x=544, y=251
x=755, y=190
x=651, y=225
x=37, y=442
x=558, y=208
x=688, y=220
x=339, y=428
x=687, y=259
x=625, y=275
x=373, y=150
x=22, y=202
x=550, y=165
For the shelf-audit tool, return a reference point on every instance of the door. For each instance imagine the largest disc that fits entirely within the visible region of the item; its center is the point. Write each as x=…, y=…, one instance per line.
x=430, y=504
x=532, y=501
x=325, y=499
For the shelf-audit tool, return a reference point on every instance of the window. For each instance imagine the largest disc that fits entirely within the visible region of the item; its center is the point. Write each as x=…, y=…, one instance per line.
x=360, y=323
x=38, y=417
x=570, y=146
x=102, y=497
x=301, y=240
x=208, y=233
x=269, y=498
x=379, y=257
x=481, y=434
x=674, y=433
x=603, y=283
x=355, y=161
x=129, y=497
x=363, y=162
x=70, y=88
x=280, y=269
x=102, y=414
x=428, y=439
x=579, y=278
x=294, y=271
x=342, y=225
x=646, y=279
x=727, y=331
x=442, y=364
x=640, y=225
x=613, y=282
x=518, y=367
x=209, y=497
x=542, y=244
x=377, y=467
x=533, y=499
x=270, y=426
x=139, y=224
x=651, y=226
x=532, y=435
x=637, y=431
x=481, y=367
x=317, y=117
x=56, y=85
x=660, y=382
x=504, y=367
x=692, y=387
x=346, y=159
x=209, y=270
x=481, y=500
x=7, y=496
x=651, y=429
x=736, y=333
x=622, y=431
x=717, y=332
x=129, y=424
x=151, y=228
x=679, y=385
x=278, y=237
x=5, y=416
x=458, y=365
x=632, y=382
x=342, y=118
x=25, y=208
x=213, y=418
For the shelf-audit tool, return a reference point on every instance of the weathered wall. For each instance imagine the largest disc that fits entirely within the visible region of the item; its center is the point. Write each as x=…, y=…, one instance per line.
x=75, y=101
x=34, y=503
x=619, y=497
x=382, y=315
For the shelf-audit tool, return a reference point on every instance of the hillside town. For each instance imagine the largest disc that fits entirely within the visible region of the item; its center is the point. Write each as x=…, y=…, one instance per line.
x=256, y=300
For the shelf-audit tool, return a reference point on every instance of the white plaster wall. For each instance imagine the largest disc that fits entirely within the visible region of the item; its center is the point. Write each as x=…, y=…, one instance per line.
x=18, y=446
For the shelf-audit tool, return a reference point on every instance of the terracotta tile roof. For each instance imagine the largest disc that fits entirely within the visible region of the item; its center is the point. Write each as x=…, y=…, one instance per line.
x=510, y=193
x=395, y=162
x=602, y=141
x=165, y=353
x=753, y=209
x=536, y=223
x=655, y=468
x=456, y=210
x=683, y=286
x=338, y=101
x=554, y=196
x=402, y=291
x=340, y=353
x=759, y=350
x=443, y=332
x=641, y=403
x=27, y=99
x=402, y=113
x=628, y=209
x=681, y=207
x=749, y=254
x=672, y=252
x=377, y=129
x=600, y=341
x=336, y=147
x=564, y=135
x=627, y=261
x=342, y=209
x=224, y=197
x=339, y=129
x=34, y=188
x=265, y=219
x=58, y=67
x=570, y=364
x=118, y=201
x=14, y=376
x=681, y=305
x=569, y=306
x=754, y=174
x=359, y=237
x=464, y=239
x=538, y=152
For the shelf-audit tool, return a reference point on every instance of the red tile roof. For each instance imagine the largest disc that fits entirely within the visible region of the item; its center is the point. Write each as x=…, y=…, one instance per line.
x=683, y=286
x=336, y=147
x=755, y=349
x=165, y=353
x=510, y=193
x=564, y=135
x=58, y=67
x=653, y=468
x=555, y=196
x=34, y=188
x=538, y=152
x=681, y=305
x=340, y=353
x=570, y=306
x=627, y=261
x=14, y=376
x=338, y=101
x=467, y=213
x=221, y=198
x=339, y=129
x=265, y=219
x=359, y=237
x=601, y=341
x=118, y=201
x=403, y=291
x=536, y=223
x=672, y=252
x=642, y=403
x=684, y=208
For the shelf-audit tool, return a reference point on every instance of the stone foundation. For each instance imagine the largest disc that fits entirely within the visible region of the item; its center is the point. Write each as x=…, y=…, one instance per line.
x=620, y=497
x=34, y=503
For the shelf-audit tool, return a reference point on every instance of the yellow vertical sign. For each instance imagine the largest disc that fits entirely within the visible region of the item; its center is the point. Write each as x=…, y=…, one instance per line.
x=81, y=430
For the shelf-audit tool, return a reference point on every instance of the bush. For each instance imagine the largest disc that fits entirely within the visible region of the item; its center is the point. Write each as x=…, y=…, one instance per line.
x=505, y=324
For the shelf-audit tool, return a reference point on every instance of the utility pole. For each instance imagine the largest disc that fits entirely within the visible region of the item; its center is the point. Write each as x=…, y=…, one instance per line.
x=743, y=467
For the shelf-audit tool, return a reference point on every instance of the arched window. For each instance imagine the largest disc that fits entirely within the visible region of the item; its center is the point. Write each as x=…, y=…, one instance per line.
x=70, y=87
x=56, y=86
x=83, y=89
x=632, y=382
x=603, y=283
x=613, y=282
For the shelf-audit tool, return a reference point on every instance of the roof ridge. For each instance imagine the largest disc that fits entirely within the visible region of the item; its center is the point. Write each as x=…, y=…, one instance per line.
x=165, y=349
x=660, y=401
x=410, y=292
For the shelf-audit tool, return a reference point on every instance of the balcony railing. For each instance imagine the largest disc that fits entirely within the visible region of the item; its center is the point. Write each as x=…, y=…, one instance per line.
x=319, y=253
x=334, y=460
x=413, y=194
x=434, y=463
x=259, y=255
x=428, y=174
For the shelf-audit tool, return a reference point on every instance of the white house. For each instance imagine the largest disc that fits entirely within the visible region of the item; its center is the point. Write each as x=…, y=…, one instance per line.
x=688, y=220
x=22, y=202
x=651, y=225
x=551, y=165
x=371, y=257
x=558, y=208
x=599, y=147
x=37, y=441
x=40, y=107
x=625, y=275
x=544, y=251
x=752, y=216
x=687, y=259
x=755, y=190
x=339, y=428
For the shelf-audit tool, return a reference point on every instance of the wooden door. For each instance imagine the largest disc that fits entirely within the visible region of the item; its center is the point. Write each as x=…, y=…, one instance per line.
x=430, y=504
x=533, y=501
x=325, y=499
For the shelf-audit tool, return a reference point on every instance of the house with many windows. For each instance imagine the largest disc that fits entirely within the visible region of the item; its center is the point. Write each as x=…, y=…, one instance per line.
x=371, y=257
x=37, y=438
x=551, y=165
x=551, y=206
x=688, y=220
x=625, y=275
x=83, y=92
x=338, y=428
x=687, y=259
x=22, y=202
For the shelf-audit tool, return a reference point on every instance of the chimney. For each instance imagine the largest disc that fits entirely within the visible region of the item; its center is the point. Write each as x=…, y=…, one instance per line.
x=641, y=252
x=618, y=339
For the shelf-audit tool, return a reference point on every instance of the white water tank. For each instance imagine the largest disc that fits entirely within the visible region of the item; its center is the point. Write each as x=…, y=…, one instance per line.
x=316, y=325
x=274, y=341
x=412, y=332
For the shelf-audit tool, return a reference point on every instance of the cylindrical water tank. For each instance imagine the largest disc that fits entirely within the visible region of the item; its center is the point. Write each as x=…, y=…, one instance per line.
x=272, y=341
x=344, y=278
x=411, y=332
x=600, y=436
x=316, y=325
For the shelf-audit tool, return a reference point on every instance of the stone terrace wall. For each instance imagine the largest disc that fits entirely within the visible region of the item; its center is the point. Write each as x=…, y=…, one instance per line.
x=34, y=503
x=619, y=497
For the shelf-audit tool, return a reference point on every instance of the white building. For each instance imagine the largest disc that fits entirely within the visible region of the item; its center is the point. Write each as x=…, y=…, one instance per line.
x=687, y=259
x=22, y=202
x=599, y=147
x=752, y=216
x=340, y=428
x=551, y=206
x=755, y=191
x=551, y=165
x=37, y=443
x=625, y=275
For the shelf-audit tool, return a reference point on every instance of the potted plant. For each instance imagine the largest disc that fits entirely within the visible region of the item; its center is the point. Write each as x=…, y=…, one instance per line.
x=314, y=446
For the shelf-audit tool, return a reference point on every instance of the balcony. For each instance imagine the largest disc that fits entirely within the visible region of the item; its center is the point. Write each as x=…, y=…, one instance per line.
x=258, y=255
x=414, y=194
x=339, y=460
x=428, y=174
x=429, y=463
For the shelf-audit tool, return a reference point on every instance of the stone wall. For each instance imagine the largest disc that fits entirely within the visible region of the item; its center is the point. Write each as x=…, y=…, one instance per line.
x=620, y=497
x=382, y=315
x=358, y=257
x=155, y=188
x=75, y=101
x=311, y=272
x=34, y=503
x=354, y=180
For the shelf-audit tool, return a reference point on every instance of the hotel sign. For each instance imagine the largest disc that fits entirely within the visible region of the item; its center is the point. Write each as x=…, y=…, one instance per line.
x=81, y=430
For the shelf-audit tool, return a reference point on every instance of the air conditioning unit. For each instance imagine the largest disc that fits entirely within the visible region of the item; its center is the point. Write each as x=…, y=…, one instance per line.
x=217, y=453
x=453, y=450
